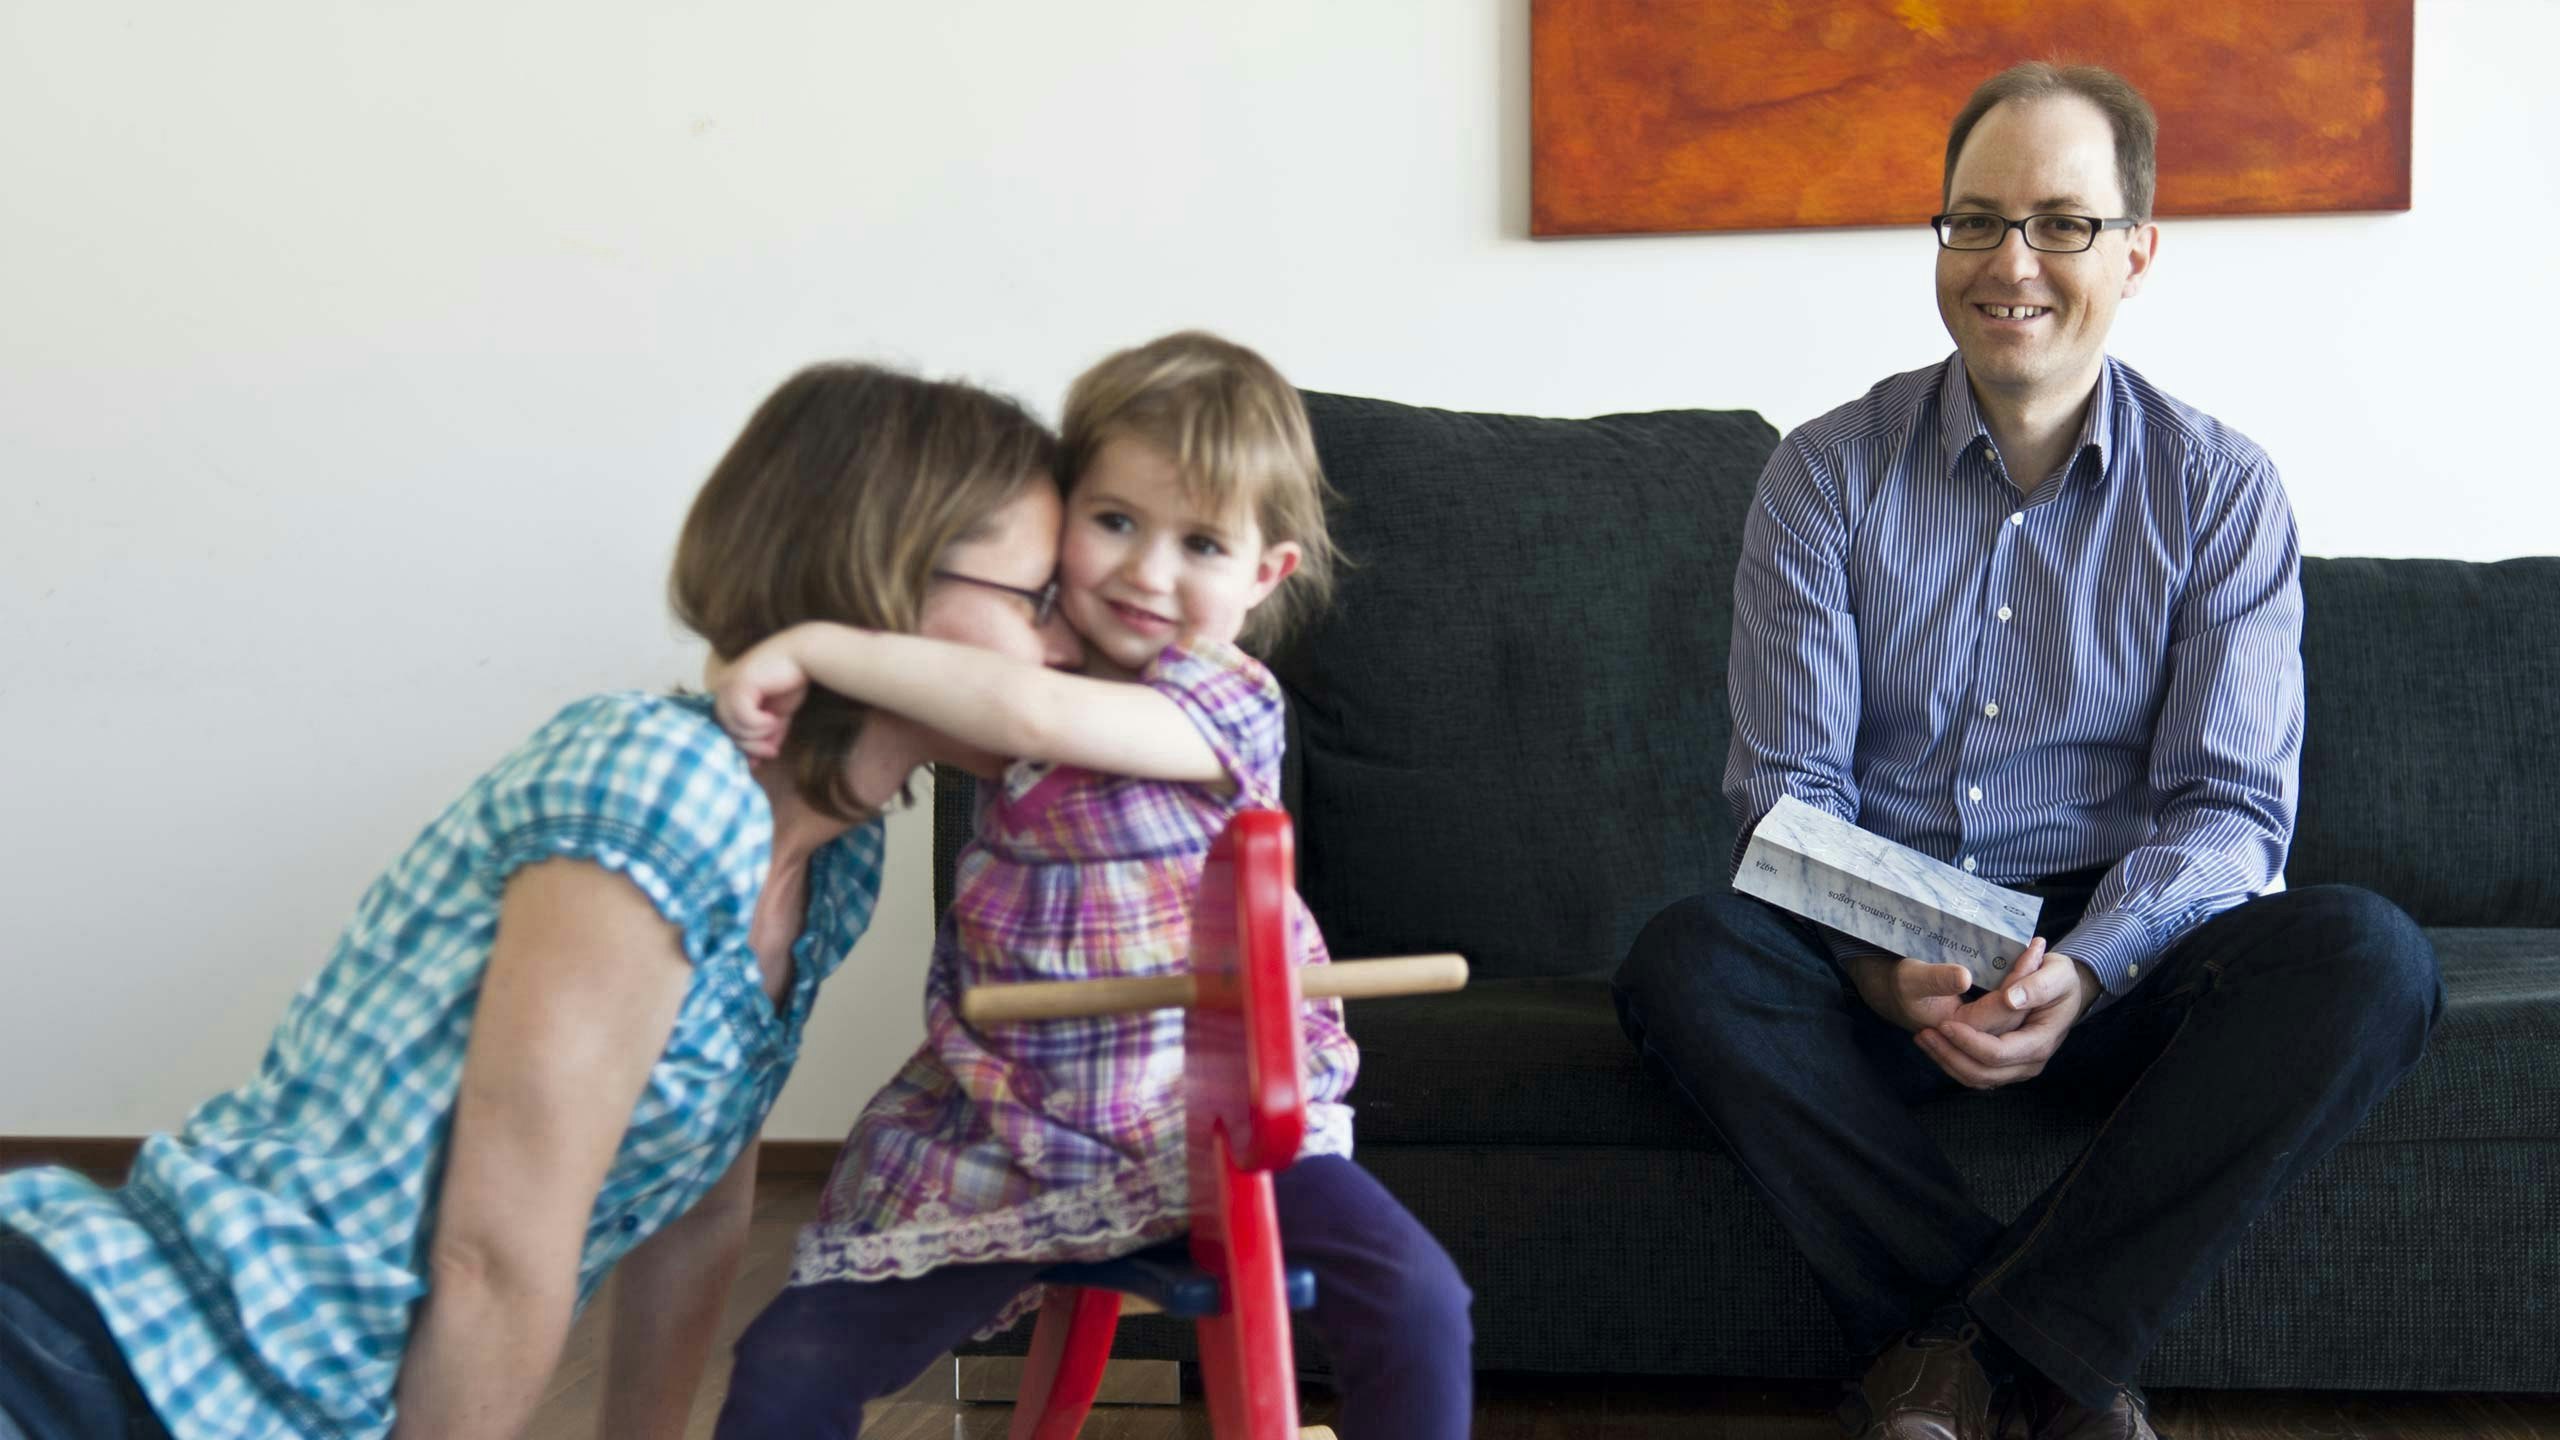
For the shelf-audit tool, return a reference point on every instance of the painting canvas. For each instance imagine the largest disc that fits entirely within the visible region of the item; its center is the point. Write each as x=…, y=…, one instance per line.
x=1678, y=115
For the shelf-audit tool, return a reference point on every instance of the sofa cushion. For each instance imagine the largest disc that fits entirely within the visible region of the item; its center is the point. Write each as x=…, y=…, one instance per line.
x=1542, y=1062
x=2430, y=763
x=1509, y=730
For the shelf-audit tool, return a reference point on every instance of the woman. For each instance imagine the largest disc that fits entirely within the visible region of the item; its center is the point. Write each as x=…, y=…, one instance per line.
x=546, y=1042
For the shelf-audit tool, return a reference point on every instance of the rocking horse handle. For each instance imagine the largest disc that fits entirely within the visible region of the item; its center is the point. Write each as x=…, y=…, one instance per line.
x=1377, y=979
x=1071, y=999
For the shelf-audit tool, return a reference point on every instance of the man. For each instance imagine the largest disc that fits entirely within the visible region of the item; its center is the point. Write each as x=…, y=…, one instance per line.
x=2023, y=612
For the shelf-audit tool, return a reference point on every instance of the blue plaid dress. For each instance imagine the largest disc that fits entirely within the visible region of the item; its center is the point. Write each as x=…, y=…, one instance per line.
x=261, y=1268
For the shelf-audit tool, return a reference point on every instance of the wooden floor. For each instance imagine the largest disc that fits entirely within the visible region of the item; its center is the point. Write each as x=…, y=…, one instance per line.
x=1525, y=1407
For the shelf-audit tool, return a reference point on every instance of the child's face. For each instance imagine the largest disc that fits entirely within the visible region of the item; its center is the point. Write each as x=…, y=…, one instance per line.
x=1142, y=564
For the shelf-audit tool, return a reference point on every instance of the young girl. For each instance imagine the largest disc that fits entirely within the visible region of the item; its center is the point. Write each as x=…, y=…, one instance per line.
x=1194, y=520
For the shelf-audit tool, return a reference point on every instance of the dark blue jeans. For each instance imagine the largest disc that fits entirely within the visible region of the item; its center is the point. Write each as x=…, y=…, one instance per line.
x=1390, y=1308
x=2252, y=1048
x=61, y=1375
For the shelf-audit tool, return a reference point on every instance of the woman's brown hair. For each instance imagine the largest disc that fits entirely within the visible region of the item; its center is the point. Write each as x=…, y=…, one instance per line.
x=836, y=503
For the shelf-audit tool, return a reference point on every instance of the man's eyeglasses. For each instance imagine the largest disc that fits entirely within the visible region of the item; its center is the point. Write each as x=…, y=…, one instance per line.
x=2056, y=234
x=1044, y=601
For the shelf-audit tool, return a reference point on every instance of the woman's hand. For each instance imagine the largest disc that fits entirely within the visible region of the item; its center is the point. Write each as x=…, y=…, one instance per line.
x=755, y=695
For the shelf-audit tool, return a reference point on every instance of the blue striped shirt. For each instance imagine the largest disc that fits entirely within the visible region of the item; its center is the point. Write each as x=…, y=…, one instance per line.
x=260, y=1269
x=2108, y=674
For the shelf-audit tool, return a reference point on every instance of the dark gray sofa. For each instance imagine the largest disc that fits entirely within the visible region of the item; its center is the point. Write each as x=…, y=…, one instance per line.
x=1507, y=739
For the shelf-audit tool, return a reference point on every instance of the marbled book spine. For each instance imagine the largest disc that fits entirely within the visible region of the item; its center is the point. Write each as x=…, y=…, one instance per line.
x=1801, y=865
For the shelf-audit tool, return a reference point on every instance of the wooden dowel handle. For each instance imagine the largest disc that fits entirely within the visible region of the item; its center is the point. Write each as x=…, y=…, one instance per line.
x=1068, y=999
x=1371, y=979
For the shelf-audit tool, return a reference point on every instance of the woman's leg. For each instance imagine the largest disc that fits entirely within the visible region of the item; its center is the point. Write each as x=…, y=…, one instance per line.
x=61, y=1375
x=818, y=1353
x=1389, y=1303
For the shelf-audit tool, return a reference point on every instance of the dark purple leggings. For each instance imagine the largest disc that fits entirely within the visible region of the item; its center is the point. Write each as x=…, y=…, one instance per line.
x=1389, y=1306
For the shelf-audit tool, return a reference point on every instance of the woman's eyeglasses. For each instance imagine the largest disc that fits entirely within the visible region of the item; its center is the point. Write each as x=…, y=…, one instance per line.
x=1044, y=601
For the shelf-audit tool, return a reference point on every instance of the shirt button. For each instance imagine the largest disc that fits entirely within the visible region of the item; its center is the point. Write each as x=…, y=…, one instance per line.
x=2018, y=517
x=1975, y=792
x=1992, y=710
x=2132, y=970
x=1968, y=864
x=630, y=1223
x=2004, y=614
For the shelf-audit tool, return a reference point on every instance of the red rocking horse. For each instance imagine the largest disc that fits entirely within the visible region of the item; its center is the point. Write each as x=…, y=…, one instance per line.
x=1246, y=1113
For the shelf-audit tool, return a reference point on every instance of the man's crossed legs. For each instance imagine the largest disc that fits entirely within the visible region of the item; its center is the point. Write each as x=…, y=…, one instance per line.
x=2257, y=1044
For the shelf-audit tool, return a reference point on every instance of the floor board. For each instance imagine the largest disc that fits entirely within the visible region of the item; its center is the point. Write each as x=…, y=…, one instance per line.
x=1523, y=1407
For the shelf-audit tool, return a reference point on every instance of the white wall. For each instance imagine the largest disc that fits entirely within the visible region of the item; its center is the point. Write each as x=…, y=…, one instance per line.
x=356, y=363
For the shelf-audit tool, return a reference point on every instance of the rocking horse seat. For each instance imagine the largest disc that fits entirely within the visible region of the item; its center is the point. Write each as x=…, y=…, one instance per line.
x=1164, y=1277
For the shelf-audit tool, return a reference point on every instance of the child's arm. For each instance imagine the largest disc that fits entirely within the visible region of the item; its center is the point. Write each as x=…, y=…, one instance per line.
x=1011, y=707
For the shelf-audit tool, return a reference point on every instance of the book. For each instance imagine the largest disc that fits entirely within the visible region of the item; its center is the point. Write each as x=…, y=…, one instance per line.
x=1808, y=862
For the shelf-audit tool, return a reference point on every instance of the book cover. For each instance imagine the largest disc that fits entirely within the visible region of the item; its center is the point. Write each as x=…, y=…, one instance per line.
x=1811, y=863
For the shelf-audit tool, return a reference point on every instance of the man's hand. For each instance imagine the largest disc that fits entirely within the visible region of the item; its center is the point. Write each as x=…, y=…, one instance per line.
x=2009, y=1034
x=1919, y=996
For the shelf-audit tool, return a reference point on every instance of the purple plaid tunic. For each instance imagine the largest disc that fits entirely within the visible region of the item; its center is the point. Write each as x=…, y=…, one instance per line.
x=1063, y=1140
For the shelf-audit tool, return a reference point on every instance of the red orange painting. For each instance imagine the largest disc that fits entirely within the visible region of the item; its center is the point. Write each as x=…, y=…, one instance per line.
x=1668, y=115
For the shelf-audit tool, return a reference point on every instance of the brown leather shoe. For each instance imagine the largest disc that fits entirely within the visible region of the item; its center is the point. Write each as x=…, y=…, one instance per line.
x=2053, y=1415
x=1928, y=1385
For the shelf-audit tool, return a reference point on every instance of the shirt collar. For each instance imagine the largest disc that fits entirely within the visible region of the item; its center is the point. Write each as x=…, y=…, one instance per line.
x=1960, y=424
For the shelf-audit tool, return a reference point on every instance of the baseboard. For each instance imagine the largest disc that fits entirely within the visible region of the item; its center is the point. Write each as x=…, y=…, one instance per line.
x=102, y=1158
x=106, y=1158
x=808, y=1159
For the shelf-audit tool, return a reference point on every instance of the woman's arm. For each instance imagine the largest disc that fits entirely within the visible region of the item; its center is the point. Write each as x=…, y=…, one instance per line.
x=668, y=1297
x=581, y=994
x=996, y=703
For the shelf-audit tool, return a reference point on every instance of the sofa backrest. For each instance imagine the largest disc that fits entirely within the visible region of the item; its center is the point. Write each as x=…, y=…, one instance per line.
x=2431, y=752
x=1507, y=735
x=1508, y=732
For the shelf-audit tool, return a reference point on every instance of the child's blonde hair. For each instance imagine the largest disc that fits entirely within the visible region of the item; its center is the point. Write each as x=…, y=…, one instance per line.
x=1235, y=430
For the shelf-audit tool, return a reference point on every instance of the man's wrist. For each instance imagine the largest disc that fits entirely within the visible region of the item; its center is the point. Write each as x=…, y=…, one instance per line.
x=2093, y=991
x=1847, y=948
x=2114, y=944
x=1869, y=974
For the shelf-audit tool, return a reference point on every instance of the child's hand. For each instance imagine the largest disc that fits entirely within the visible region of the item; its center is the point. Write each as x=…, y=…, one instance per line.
x=754, y=696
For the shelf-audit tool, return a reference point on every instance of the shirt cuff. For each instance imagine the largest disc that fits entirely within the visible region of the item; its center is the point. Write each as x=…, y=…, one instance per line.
x=1846, y=947
x=2113, y=943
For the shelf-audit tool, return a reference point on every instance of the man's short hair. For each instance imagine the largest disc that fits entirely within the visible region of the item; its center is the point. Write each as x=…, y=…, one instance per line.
x=2137, y=129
